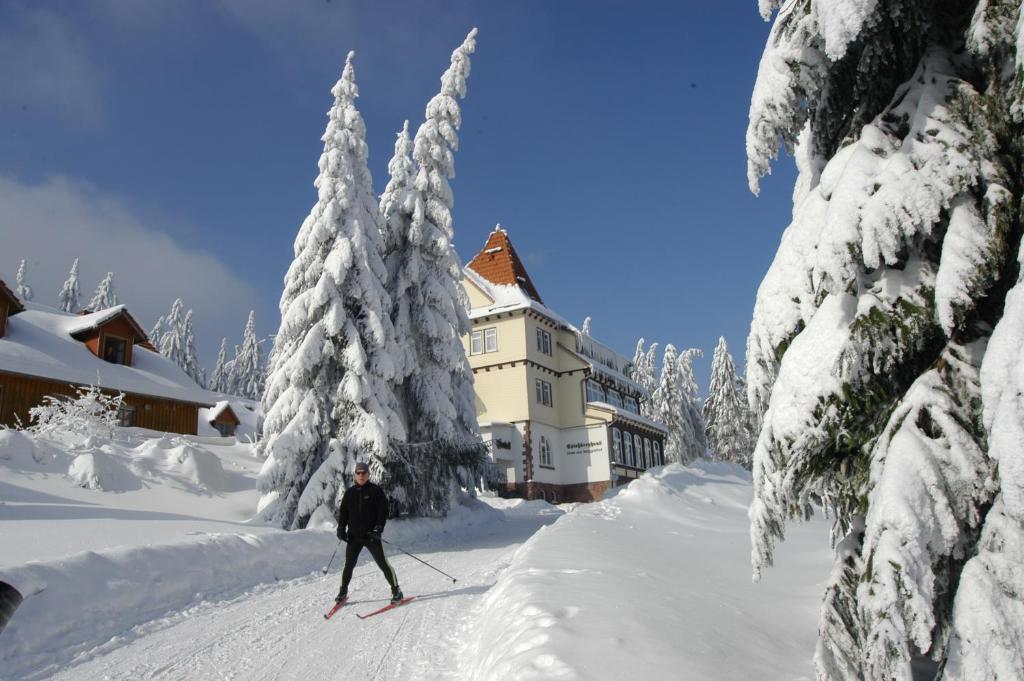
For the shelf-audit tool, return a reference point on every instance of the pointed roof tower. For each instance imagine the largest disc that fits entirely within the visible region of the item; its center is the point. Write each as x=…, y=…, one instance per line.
x=499, y=263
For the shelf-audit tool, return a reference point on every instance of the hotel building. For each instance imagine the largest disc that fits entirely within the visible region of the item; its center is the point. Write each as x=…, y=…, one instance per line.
x=555, y=406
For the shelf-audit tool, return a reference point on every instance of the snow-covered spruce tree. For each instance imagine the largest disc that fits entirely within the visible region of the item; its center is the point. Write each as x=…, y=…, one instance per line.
x=883, y=352
x=694, y=442
x=219, y=379
x=430, y=305
x=397, y=205
x=643, y=373
x=669, y=407
x=190, y=360
x=247, y=369
x=172, y=337
x=23, y=290
x=67, y=297
x=726, y=417
x=104, y=296
x=157, y=332
x=328, y=399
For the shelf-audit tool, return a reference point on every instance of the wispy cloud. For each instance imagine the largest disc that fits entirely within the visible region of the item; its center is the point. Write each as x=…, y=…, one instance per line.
x=45, y=66
x=51, y=223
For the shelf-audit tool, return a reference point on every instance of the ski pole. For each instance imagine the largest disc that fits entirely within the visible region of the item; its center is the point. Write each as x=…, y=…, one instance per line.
x=332, y=559
x=419, y=559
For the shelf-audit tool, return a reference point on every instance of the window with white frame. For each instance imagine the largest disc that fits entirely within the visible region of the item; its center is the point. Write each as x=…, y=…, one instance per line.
x=617, y=445
x=614, y=398
x=595, y=391
x=126, y=416
x=543, y=341
x=627, y=449
x=545, y=452
x=648, y=461
x=638, y=446
x=545, y=395
x=483, y=340
x=657, y=454
x=630, y=404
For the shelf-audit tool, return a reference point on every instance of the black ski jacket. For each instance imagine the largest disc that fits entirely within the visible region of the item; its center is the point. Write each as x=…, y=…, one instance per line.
x=362, y=510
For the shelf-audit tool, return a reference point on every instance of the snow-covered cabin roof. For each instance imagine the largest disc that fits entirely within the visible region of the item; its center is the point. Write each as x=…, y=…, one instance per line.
x=94, y=320
x=39, y=342
x=222, y=408
x=498, y=263
x=14, y=305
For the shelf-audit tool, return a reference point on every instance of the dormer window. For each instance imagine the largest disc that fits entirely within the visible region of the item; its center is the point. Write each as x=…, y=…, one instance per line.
x=115, y=350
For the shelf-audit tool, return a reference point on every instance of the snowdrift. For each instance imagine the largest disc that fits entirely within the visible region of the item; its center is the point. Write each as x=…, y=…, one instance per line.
x=652, y=583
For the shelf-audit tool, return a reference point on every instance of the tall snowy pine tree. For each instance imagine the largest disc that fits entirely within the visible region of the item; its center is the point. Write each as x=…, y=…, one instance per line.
x=104, y=296
x=173, y=343
x=67, y=297
x=220, y=378
x=672, y=406
x=24, y=291
x=190, y=362
x=726, y=418
x=643, y=373
x=884, y=353
x=247, y=367
x=442, y=384
x=328, y=400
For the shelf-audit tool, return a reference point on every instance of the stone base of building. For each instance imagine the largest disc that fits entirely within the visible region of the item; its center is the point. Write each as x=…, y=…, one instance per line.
x=557, y=494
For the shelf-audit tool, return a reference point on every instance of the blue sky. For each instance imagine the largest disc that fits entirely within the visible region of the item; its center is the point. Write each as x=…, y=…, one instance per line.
x=176, y=143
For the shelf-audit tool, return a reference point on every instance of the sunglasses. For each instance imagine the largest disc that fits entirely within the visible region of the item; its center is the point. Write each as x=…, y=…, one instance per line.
x=362, y=472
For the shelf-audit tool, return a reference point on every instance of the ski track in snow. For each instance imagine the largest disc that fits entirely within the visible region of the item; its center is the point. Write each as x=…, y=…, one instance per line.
x=277, y=632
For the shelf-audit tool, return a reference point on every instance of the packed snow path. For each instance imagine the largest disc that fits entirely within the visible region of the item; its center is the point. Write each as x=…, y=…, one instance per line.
x=278, y=632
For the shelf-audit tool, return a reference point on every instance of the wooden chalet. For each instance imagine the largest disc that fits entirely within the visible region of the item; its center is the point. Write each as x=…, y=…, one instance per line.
x=46, y=352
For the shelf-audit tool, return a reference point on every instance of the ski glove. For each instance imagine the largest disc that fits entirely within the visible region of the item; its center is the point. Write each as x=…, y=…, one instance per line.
x=342, y=535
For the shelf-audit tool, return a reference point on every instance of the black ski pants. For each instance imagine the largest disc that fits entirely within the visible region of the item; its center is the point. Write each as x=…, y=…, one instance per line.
x=352, y=551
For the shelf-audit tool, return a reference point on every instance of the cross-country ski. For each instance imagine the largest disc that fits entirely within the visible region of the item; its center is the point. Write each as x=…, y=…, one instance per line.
x=390, y=606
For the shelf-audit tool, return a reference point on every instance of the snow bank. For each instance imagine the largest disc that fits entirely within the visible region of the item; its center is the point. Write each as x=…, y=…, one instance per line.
x=652, y=583
x=85, y=600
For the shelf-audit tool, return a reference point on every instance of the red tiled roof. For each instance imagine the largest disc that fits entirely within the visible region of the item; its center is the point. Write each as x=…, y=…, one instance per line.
x=498, y=263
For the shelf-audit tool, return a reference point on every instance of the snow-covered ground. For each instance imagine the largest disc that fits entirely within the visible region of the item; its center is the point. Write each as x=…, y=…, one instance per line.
x=165, y=578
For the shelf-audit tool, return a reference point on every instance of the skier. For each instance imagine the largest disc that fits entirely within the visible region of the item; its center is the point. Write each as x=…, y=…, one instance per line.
x=361, y=518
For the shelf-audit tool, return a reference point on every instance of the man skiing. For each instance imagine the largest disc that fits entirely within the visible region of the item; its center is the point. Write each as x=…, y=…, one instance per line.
x=361, y=518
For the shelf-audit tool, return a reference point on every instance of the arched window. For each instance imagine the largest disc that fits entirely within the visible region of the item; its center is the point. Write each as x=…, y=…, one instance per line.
x=545, y=451
x=638, y=445
x=617, y=445
x=627, y=449
x=648, y=461
x=657, y=455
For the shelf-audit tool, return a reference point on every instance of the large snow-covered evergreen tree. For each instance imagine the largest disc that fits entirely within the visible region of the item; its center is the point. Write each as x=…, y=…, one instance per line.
x=190, y=361
x=68, y=296
x=397, y=206
x=642, y=371
x=104, y=296
x=673, y=406
x=726, y=417
x=695, y=443
x=438, y=386
x=884, y=350
x=247, y=368
x=329, y=400
x=220, y=379
x=24, y=291
x=157, y=332
x=172, y=335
